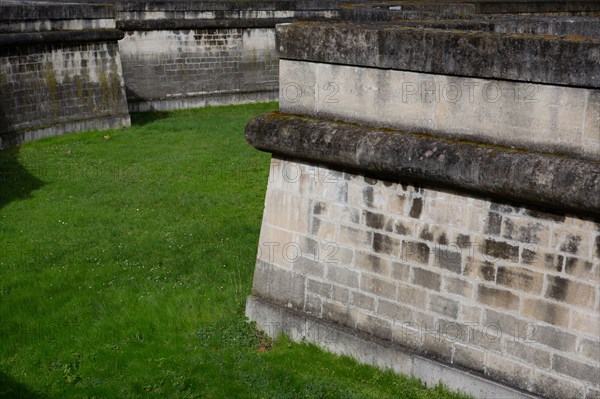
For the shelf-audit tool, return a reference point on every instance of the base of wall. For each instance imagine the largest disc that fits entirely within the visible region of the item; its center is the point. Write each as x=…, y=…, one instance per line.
x=275, y=320
x=104, y=123
x=208, y=100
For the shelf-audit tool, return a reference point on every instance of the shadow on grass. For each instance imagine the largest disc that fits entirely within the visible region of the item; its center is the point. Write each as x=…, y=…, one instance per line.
x=144, y=118
x=11, y=389
x=15, y=181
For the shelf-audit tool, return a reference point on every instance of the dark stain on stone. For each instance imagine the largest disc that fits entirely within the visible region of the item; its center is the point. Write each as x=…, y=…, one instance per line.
x=556, y=264
x=426, y=234
x=499, y=249
x=463, y=241
x=488, y=272
x=374, y=220
x=404, y=185
x=529, y=256
x=527, y=234
x=417, y=251
x=368, y=196
x=370, y=181
x=504, y=208
x=551, y=316
x=539, y=214
x=572, y=263
x=557, y=288
x=509, y=227
x=389, y=226
x=401, y=229
x=449, y=260
x=597, y=246
x=375, y=264
x=571, y=245
x=442, y=239
x=506, y=277
x=416, y=208
x=494, y=224
x=383, y=243
x=343, y=193
x=319, y=207
x=315, y=226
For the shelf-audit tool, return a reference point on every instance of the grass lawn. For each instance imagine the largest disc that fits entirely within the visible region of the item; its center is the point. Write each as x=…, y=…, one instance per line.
x=125, y=263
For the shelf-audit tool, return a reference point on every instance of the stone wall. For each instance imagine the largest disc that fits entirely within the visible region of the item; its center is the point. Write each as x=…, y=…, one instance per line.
x=205, y=53
x=200, y=67
x=433, y=205
x=503, y=289
x=60, y=71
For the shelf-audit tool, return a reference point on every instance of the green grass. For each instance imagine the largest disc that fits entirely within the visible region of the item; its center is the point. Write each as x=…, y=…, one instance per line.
x=125, y=264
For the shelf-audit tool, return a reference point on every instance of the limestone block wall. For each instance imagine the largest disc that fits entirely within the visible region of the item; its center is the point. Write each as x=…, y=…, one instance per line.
x=199, y=67
x=60, y=71
x=503, y=289
x=205, y=53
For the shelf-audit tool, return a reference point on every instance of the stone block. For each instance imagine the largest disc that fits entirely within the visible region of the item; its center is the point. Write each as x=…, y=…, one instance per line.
x=570, y=292
x=444, y=306
x=457, y=286
x=278, y=285
x=378, y=286
x=342, y=275
x=500, y=368
x=426, y=278
x=497, y=298
x=555, y=338
x=555, y=386
x=363, y=301
x=372, y=264
x=520, y=279
x=576, y=369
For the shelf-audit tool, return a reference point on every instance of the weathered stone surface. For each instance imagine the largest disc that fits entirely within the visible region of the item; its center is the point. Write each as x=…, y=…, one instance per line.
x=539, y=117
x=529, y=58
x=440, y=10
x=560, y=183
x=23, y=10
x=506, y=303
x=60, y=70
x=273, y=283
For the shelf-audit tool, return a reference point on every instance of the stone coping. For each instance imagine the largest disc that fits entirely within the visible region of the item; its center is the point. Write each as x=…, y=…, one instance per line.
x=25, y=10
x=520, y=57
x=53, y=37
x=216, y=23
x=538, y=25
x=390, y=10
x=551, y=181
